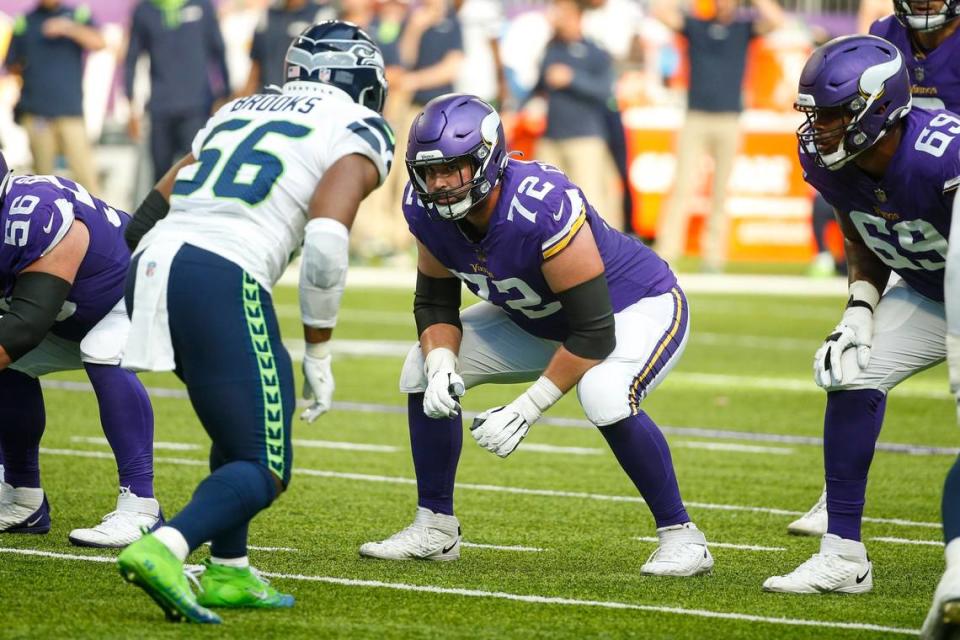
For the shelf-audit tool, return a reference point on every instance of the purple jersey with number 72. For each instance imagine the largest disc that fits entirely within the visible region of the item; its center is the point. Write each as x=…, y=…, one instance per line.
x=539, y=211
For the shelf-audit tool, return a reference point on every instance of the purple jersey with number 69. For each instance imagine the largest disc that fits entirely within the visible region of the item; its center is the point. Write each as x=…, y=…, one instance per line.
x=36, y=213
x=904, y=217
x=539, y=212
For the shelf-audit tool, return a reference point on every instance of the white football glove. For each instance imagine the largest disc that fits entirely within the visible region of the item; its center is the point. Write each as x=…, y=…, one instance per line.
x=318, y=382
x=444, y=384
x=855, y=331
x=501, y=429
x=953, y=364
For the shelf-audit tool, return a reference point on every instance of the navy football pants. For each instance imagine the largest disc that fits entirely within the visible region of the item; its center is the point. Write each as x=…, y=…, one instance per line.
x=228, y=353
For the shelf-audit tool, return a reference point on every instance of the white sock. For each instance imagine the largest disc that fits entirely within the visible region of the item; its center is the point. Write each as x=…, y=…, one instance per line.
x=173, y=540
x=952, y=552
x=28, y=497
x=1, y=474
x=236, y=563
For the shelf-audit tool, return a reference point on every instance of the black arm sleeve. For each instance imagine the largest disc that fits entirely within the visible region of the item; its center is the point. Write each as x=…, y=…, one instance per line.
x=590, y=316
x=436, y=301
x=153, y=209
x=37, y=299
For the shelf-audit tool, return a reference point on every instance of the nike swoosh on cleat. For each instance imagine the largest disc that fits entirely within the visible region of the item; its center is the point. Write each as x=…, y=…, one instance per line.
x=447, y=549
x=863, y=577
x=259, y=595
x=39, y=518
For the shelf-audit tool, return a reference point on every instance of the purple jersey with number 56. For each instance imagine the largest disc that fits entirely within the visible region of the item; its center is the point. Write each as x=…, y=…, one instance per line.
x=539, y=212
x=904, y=217
x=36, y=213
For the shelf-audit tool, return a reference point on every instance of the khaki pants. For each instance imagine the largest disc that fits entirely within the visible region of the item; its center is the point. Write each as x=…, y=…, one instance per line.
x=716, y=134
x=588, y=164
x=66, y=135
x=380, y=227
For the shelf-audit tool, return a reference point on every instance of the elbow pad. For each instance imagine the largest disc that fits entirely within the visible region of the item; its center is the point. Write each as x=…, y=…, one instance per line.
x=590, y=317
x=153, y=209
x=37, y=299
x=436, y=301
x=323, y=272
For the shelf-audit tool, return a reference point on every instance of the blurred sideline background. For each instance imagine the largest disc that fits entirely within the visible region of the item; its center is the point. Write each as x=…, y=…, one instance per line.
x=768, y=204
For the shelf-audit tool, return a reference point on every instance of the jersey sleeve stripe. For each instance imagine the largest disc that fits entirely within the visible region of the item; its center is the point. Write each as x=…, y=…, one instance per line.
x=565, y=240
x=66, y=213
x=951, y=184
x=577, y=210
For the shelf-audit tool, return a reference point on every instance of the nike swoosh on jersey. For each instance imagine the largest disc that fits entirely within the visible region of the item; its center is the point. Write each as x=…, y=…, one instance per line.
x=49, y=226
x=559, y=214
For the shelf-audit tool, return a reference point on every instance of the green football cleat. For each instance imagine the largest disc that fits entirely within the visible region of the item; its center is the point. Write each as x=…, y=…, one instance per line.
x=222, y=586
x=148, y=564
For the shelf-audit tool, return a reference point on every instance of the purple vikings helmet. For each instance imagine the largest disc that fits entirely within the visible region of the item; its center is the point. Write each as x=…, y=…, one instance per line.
x=862, y=78
x=925, y=17
x=452, y=127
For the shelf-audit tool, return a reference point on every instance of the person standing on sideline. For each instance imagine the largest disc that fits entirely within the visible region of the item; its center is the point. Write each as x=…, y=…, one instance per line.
x=281, y=22
x=717, y=52
x=46, y=51
x=183, y=41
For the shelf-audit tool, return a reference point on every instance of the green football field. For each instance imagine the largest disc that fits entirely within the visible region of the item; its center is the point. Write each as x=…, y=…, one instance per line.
x=557, y=532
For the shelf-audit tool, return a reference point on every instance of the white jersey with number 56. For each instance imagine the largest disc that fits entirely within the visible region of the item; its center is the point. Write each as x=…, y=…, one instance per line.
x=259, y=160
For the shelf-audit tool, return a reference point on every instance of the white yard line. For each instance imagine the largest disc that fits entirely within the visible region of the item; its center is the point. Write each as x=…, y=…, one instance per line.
x=157, y=444
x=528, y=598
x=926, y=543
x=346, y=446
x=501, y=547
x=551, y=493
x=577, y=423
x=737, y=448
x=722, y=545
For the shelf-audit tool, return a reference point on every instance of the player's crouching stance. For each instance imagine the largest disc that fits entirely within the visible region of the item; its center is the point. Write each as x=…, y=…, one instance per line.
x=273, y=172
x=568, y=299
x=62, y=268
x=891, y=172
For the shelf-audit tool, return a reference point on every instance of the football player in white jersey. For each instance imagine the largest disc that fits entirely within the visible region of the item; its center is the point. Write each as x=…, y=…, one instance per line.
x=268, y=173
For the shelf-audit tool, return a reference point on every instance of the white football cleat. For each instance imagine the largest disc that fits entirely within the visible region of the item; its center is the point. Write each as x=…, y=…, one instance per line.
x=432, y=536
x=813, y=522
x=943, y=621
x=842, y=566
x=24, y=510
x=122, y=526
x=682, y=552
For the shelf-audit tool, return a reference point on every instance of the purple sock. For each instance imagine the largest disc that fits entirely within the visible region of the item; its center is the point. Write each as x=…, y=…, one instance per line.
x=851, y=426
x=22, y=421
x=436, y=447
x=127, y=419
x=643, y=453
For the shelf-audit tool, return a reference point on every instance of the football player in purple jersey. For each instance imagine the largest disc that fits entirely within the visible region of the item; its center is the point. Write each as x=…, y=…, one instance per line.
x=891, y=172
x=925, y=33
x=63, y=262
x=567, y=302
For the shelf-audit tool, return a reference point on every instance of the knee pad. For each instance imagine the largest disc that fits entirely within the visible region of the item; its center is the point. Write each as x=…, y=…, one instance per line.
x=602, y=402
x=412, y=377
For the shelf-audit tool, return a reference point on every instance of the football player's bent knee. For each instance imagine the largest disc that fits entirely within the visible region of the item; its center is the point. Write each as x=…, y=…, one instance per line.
x=603, y=403
x=412, y=377
x=323, y=271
